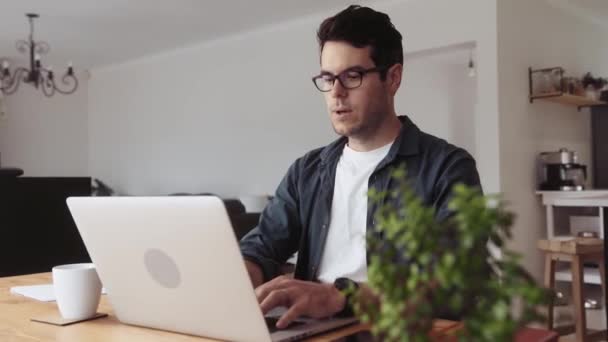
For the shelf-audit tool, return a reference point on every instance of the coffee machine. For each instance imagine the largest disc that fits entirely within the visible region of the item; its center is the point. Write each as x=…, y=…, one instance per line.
x=560, y=171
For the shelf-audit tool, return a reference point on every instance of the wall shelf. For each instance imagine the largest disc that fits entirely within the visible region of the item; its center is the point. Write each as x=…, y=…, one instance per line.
x=573, y=100
x=560, y=97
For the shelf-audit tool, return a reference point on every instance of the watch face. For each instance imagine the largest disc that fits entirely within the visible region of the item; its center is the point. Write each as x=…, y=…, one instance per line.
x=344, y=283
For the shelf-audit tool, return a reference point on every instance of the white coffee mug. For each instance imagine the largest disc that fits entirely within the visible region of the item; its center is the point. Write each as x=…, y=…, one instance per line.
x=77, y=290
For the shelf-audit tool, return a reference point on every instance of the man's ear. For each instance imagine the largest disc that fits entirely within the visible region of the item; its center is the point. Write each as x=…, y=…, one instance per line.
x=393, y=78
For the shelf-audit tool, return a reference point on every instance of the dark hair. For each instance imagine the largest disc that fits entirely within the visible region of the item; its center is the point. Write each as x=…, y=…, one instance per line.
x=361, y=27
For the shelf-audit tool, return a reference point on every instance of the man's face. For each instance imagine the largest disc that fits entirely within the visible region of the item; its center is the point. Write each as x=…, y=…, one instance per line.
x=355, y=112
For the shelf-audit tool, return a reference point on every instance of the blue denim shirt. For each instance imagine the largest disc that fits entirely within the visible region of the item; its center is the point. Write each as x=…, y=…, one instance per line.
x=297, y=218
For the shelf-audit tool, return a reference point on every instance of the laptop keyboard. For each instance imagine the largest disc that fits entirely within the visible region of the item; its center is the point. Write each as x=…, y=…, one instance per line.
x=271, y=323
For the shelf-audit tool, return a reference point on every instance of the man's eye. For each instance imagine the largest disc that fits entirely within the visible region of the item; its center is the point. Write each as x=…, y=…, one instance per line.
x=352, y=75
x=327, y=78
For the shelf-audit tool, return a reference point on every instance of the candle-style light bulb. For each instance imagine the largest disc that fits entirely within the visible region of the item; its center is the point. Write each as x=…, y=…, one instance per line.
x=50, y=72
x=472, y=71
x=5, y=71
x=472, y=66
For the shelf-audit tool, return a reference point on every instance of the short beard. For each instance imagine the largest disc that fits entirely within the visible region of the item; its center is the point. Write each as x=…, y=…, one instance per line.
x=366, y=128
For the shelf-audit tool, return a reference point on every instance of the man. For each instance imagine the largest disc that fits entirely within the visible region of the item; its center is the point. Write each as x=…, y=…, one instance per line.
x=321, y=208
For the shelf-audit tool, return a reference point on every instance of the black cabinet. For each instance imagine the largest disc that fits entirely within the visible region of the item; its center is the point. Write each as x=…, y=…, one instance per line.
x=36, y=229
x=599, y=146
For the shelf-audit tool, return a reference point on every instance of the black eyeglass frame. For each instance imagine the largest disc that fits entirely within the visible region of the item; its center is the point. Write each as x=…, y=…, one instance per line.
x=340, y=77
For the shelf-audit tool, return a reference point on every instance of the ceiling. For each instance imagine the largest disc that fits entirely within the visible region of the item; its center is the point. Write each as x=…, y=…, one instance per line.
x=95, y=33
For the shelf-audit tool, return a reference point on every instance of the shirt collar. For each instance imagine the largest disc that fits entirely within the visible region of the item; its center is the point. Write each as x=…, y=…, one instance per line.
x=406, y=143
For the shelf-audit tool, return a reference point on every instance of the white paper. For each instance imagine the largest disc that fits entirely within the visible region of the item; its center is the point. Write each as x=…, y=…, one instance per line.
x=43, y=293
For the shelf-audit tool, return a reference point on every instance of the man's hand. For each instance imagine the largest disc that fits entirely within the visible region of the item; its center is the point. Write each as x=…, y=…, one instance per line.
x=300, y=297
x=255, y=273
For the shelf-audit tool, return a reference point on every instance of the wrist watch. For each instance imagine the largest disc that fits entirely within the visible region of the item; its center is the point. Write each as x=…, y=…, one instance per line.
x=343, y=284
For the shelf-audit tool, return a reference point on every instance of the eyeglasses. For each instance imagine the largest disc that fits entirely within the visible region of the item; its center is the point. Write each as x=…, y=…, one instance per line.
x=349, y=79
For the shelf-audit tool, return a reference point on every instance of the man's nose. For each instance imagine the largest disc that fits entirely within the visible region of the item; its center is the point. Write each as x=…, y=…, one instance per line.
x=338, y=89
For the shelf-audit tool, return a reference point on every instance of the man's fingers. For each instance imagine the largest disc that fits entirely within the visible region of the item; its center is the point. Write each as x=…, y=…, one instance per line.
x=276, y=298
x=262, y=291
x=290, y=315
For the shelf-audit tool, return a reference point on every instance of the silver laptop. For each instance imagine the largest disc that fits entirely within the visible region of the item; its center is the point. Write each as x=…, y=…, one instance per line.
x=173, y=263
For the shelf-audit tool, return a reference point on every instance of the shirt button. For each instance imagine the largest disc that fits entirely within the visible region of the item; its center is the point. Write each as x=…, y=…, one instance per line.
x=324, y=226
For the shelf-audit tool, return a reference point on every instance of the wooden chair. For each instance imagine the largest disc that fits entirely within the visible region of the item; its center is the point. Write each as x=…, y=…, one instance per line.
x=577, y=251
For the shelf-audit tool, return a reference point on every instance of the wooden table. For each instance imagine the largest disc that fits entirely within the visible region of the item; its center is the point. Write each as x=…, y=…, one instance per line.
x=16, y=311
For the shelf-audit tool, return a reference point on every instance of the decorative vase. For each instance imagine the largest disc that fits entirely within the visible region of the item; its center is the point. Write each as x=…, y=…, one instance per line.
x=591, y=93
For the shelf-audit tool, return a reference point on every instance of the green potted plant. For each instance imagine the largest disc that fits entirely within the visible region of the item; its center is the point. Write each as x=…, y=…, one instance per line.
x=456, y=273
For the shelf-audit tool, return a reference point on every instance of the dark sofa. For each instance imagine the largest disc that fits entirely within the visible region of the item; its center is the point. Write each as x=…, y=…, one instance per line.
x=242, y=221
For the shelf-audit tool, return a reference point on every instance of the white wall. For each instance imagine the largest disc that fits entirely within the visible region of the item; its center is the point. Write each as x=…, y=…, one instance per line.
x=532, y=33
x=440, y=97
x=436, y=24
x=230, y=116
x=227, y=117
x=46, y=136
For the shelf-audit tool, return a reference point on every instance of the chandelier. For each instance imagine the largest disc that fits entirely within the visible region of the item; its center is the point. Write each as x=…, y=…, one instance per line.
x=39, y=76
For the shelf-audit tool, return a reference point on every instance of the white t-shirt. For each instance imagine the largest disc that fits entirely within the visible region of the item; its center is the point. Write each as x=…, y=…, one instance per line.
x=344, y=253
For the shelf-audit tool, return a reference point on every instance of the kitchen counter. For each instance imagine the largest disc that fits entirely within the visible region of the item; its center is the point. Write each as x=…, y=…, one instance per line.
x=584, y=198
x=553, y=200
